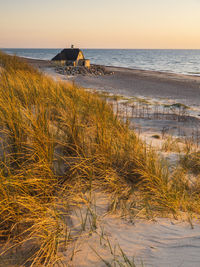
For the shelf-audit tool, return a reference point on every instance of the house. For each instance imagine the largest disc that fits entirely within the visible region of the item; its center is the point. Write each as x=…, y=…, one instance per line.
x=71, y=57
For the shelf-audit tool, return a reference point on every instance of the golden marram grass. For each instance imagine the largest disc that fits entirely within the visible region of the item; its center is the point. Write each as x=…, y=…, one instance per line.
x=59, y=141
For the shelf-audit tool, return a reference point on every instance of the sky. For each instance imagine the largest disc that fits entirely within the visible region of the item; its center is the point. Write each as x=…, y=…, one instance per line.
x=153, y=24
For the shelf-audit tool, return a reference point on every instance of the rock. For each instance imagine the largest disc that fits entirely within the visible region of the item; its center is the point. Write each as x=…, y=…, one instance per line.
x=95, y=70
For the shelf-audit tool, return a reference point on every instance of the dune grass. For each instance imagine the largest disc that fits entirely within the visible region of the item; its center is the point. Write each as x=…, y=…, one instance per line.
x=58, y=140
x=191, y=162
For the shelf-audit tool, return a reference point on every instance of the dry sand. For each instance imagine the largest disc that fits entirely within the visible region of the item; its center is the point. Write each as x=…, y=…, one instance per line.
x=159, y=243
x=183, y=88
x=164, y=242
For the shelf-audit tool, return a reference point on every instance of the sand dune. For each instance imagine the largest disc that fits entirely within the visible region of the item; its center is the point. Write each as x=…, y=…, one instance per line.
x=163, y=242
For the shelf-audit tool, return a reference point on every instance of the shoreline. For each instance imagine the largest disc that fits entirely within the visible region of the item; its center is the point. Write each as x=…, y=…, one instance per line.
x=132, y=82
x=42, y=62
x=157, y=88
x=168, y=63
x=149, y=86
x=178, y=88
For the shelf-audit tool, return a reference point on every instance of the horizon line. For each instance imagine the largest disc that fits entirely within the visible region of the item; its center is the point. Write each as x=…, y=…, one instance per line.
x=101, y=48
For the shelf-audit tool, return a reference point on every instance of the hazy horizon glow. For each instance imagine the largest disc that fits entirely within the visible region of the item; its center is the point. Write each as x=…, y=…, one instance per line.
x=139, y=24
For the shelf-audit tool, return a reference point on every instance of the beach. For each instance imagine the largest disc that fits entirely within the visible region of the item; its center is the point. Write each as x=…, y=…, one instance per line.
x=129, y=82
x=141, y=87
x=160, y=104
x=113, y=222
x=99, y=133
x=150, y=84
x=161, y=242
x=156, y=103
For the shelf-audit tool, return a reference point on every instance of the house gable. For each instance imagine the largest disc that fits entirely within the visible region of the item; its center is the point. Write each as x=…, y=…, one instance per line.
x=71, y=54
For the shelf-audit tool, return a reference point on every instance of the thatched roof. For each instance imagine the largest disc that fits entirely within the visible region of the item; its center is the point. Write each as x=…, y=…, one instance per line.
x=68, y=54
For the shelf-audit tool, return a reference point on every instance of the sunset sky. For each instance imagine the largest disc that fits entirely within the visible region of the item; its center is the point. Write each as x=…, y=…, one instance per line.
x=100, y=24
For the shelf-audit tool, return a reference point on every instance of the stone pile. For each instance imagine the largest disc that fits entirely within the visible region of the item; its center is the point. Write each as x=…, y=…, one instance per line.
x=95, y=70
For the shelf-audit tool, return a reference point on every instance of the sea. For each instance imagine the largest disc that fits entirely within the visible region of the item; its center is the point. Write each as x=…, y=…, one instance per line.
x=164, y=60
